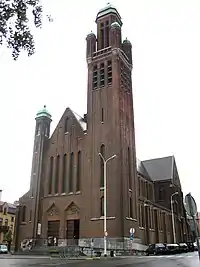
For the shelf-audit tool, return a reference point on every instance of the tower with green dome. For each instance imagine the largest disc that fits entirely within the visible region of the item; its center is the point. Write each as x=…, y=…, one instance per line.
x=42, y=133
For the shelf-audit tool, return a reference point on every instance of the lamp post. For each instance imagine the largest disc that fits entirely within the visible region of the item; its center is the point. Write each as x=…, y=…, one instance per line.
x=173, y=223
x=105, y=161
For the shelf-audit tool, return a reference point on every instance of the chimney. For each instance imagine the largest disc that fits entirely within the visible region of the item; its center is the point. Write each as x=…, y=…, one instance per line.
x=0, y=194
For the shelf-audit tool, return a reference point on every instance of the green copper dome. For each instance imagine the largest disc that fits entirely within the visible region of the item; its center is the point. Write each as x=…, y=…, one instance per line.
x=108, y=10
x=126, y=41
x=43, y=113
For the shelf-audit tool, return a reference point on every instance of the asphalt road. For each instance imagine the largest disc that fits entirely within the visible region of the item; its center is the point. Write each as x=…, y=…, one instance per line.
x=184, y=260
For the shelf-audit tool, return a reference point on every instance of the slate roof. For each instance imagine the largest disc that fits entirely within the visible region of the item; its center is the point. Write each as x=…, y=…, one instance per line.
x=80, y=120
x=141, y=169
x=157, y=169
x=9, y=204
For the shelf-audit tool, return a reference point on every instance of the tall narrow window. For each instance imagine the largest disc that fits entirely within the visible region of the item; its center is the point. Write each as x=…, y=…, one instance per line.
x=130, y=207
x=102, y=75
x=102, y=151
x=109, y=72
x=64, y=173
x=50, y=175
x=102, y=38
x=71, y=172
x=102, y=206
x=95, y=77
x=102, y=115
x=107, y=43
x=57, y=174
x=38, y=129
x=78, y=178
x=129, y=169
x=23, y=213
x=30, y=216
x=66, y=125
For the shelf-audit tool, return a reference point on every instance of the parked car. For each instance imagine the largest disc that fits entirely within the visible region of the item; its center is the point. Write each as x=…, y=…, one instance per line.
x=172, y=248
x=195, y=246
x=156, y=249
x=3, y=249
x=191, y=246
x=183, y=248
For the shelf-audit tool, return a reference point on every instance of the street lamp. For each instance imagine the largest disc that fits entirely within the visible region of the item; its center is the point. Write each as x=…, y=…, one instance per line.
x=105, y=161
x=173, y=223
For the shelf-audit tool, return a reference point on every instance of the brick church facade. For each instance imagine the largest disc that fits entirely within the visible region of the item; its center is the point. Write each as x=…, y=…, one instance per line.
x=65, y=199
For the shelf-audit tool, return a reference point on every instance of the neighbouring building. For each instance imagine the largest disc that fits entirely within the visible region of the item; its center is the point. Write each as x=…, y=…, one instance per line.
x=7, y=219
x=66, y=196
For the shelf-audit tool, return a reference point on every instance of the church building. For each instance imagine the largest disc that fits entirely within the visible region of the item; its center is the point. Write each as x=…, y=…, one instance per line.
x=66, y=195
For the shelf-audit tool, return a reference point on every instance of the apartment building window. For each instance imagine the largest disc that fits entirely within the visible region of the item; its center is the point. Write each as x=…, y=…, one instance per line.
x=12, y=219
x=6, y=222
x=78, y=178
x=71, y=172
x=50, y=174
x=64, y=173
x=102, y=151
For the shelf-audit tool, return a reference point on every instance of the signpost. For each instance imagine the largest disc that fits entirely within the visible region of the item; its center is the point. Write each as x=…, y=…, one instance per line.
x=191, y=209
x=132, y=231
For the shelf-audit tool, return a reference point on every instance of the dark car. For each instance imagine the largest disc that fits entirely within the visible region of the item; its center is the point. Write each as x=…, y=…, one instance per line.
x=172, y=248
x=156, y=249
x=191, y=246
x=183, y=248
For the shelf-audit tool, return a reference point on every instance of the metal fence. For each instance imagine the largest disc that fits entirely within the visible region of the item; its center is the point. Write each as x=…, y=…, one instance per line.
x=83, y=247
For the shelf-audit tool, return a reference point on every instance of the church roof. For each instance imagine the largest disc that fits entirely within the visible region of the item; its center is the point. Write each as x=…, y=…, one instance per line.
x=157, y=169
x=80, y=120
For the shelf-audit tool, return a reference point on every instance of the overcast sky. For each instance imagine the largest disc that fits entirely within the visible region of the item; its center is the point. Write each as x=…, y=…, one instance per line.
x=165, y=35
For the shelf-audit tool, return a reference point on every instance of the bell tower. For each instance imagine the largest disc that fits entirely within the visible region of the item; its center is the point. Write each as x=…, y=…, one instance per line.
x=111, y=123
x=42, y=132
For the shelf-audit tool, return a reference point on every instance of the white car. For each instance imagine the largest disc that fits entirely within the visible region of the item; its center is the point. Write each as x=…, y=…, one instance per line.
x=3, y=249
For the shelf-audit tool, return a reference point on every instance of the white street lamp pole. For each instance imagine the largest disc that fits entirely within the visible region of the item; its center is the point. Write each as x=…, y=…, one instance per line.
x=173, y=222
x=105, y=199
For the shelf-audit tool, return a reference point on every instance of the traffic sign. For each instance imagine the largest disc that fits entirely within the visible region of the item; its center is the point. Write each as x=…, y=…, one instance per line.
x=132, y=231
x=190, y=205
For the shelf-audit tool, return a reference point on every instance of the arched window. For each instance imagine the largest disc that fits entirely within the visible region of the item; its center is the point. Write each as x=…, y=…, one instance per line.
x=78, y=177
x=57, y=174
x=102, y=151
x=102, y=206
x=64, y=173
x=71, y=172
x=50, y=174
x=66, y=125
